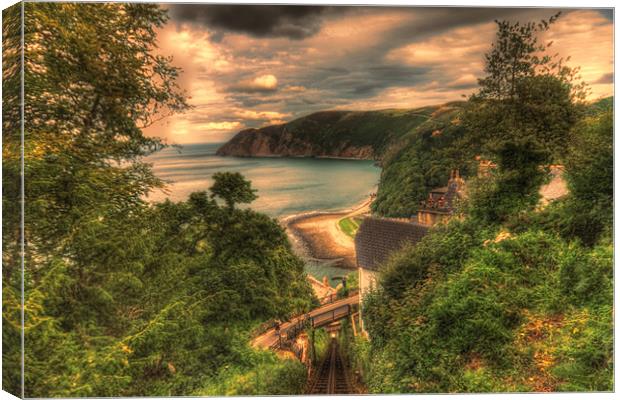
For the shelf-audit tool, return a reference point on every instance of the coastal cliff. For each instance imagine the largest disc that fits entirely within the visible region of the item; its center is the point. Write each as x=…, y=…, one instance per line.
x=265, y=142
x=343, y=134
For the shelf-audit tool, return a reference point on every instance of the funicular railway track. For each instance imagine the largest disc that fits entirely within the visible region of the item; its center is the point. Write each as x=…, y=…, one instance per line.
x=331, y=377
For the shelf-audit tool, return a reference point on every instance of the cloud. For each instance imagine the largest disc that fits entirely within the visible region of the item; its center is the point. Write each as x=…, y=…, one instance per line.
x=260, y=115
x=606, y=78
x=262, y=83
x=587, y=37
x=467, y=81
x=293, y=22
x=294, y=88
x=246, y=73
x=222, y=126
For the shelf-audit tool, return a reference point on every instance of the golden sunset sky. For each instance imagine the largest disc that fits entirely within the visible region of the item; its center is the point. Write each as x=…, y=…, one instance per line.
x=250, y=66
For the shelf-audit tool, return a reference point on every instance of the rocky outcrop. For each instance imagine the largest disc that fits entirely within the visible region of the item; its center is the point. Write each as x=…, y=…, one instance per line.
x=277, y=141
x=335, y=133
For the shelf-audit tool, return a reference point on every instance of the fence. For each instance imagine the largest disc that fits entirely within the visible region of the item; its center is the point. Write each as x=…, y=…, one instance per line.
x=337, y=296
x=290, y=333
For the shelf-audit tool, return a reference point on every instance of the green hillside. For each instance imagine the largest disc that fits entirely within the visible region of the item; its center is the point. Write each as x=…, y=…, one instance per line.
x=361, y=128
x=423, y=158
x=355, y=134
x=520, y=306
x=417, y=148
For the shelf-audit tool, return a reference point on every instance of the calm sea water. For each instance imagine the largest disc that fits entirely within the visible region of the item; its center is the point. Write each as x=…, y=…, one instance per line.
x=285, y=186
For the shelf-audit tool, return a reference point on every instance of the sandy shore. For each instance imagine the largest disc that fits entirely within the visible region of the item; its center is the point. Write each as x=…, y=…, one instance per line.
x=317, y=235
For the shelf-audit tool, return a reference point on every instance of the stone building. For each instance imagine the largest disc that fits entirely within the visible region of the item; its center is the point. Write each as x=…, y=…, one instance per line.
x=439, y=205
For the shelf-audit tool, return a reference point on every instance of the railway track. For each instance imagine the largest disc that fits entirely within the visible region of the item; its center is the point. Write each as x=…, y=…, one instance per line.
x=331, y=377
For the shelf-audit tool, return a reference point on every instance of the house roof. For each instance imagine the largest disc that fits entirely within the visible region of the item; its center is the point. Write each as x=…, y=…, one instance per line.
x=440, y=190
x=449, y=193
x=378, y=238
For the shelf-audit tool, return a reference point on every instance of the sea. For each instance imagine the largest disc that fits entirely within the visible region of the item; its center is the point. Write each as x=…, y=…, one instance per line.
x=285, y=186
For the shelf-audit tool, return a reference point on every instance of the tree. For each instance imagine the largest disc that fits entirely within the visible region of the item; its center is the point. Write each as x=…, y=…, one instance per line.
x=232, y=188
x=590, y=177
x=122, y=297
x=91, y=83
x=589, y=166
x=11, y=204
x=520, y=118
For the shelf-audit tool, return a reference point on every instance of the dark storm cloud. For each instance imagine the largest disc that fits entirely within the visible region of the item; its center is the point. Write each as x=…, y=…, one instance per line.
x=434, y=21
x=300, y=22
x=369, y=80
x=343, y=57
x=293, y=22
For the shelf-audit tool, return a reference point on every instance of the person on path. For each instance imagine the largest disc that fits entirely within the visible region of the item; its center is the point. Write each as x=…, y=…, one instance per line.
x=277, y=329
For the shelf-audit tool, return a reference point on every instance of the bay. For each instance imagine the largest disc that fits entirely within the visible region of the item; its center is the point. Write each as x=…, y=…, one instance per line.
x=285, y=186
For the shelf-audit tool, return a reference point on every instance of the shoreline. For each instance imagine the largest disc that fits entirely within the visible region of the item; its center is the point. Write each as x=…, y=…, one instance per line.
x=315, y=235
x=301, y=156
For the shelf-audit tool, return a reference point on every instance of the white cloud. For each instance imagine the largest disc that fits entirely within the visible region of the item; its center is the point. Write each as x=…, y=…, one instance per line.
x=295, y=88
x=260, y=115
x=222, y=126
x=266, y=82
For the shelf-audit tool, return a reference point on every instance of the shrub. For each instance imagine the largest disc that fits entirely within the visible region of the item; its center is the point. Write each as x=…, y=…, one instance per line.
x=523, y=312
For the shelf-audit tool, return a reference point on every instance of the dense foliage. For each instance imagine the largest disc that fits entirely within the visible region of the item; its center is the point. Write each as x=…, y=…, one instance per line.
x=520, y=306
x=122, y=297
x=269, y=374
x=510, y=296
x=422, y=160
x=585, y=215
x=520, y=119
x=527, y=313
x=126, y=298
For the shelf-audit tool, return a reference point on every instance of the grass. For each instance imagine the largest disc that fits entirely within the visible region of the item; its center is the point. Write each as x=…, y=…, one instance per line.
x=349, y=226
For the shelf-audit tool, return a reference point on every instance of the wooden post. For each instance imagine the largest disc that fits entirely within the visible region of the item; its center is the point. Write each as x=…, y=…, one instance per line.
x=353, y=324
x=313, y=348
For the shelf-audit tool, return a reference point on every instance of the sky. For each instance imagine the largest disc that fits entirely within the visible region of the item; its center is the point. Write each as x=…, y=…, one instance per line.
x=250, y=66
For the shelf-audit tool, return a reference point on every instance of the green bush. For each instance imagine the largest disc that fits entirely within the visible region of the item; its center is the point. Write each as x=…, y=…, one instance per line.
x=585, y=351
x=266, y=375
x=505, y=314
x=587, y=278
x=443, y=250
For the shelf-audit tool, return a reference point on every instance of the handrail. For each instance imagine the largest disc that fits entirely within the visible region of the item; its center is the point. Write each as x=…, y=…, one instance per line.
x=291, y=332
x=334, y=297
